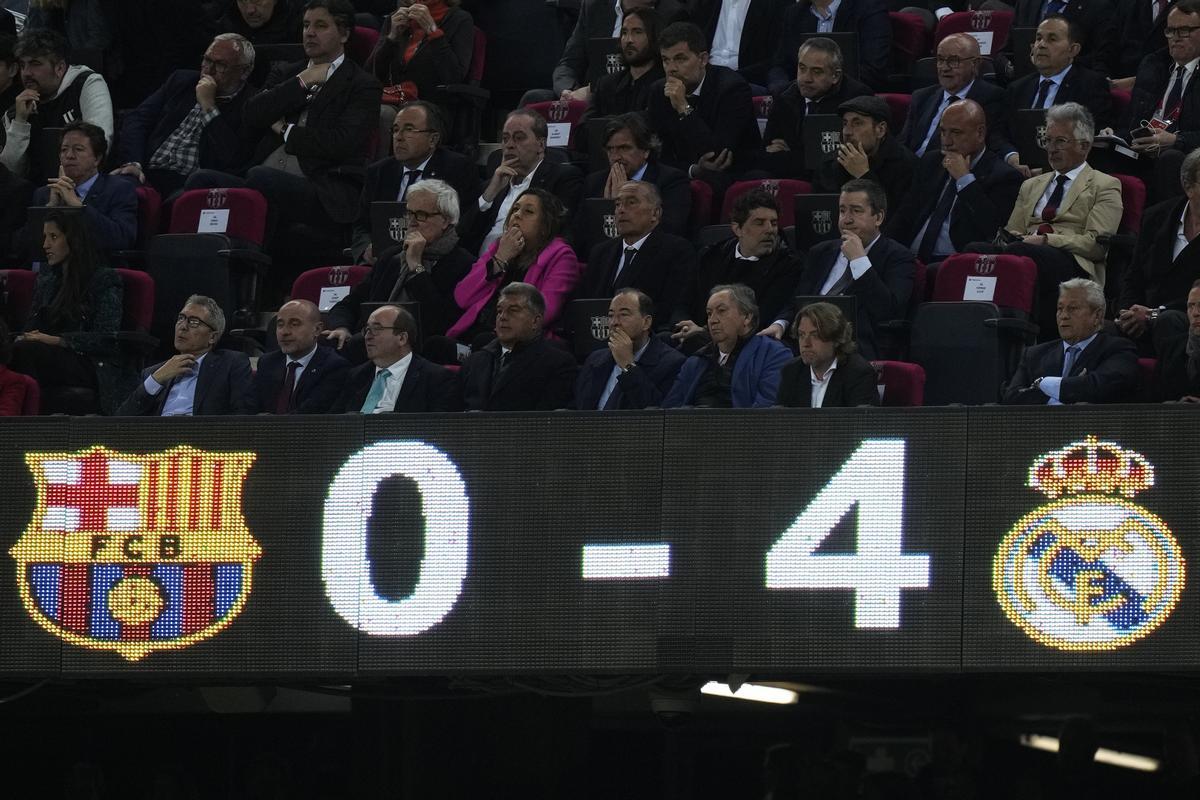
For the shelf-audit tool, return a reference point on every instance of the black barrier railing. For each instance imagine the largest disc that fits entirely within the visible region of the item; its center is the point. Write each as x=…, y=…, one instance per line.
x=858, y=540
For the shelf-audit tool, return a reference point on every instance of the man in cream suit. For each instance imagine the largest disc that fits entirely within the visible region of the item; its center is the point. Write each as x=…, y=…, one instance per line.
x=1060, y=214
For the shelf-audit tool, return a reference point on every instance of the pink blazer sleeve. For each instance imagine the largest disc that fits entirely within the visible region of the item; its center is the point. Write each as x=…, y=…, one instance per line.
x=558, y=274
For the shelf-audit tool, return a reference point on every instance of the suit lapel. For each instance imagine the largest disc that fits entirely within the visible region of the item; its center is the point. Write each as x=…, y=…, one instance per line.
x=202, y=381
x=409, y=387
x=1081, y=183
x=330, y=89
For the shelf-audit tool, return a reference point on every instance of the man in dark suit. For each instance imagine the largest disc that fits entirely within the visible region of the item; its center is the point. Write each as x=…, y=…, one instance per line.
x=417, y=132
x=828, y=373
x=703, y=113
x=643, y=256
x=756, y=257
x=519, y=370
x=821, y=86
x=109, y=204
x=1142, y=32
x=628, y=142
x=315, y=118
x=863, y=263
x=962, y=193
x=1085, y=365
x=519, y=165
x=628, y=89
x=192, y=122
x=869, y=151
x=198, y=380
x=1057, y=78
x=1177, y=348
x=300, y=377
x=958, y=79
x=744, y=35
x=1097, y=20
x=867, y=18
x=395, y=379
x=637, y=369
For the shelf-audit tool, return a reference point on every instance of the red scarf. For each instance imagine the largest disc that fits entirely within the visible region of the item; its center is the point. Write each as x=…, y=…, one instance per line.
x=417, y=35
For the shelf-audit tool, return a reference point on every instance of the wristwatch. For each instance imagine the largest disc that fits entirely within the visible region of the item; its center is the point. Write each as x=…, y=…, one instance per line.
x=685, y=112
x=1154, y=312
x=629, y=369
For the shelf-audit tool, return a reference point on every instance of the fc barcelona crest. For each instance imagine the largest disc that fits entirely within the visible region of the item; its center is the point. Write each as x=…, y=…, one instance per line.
x=610, y=226
x=600, y=328
x=1040, y=134
x=829, y=142
x=396, y=228
x=136, y=553
x=612, y=63
x=822, y=221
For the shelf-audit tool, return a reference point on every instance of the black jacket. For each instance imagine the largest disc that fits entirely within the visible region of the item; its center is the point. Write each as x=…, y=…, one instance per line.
x=221, y=388
x=853, y=383
x=673, y=185
x=332, y=144
x=760, y=33
x=661, y=269
x=868, y=18
x=723, y=118
x=540, y=377
x=437, y=62
x=892, y=167
x=1155, y=277
x=1105, y=372
x=1098, y=20
x=1148, y=89
x=618, y=93
x=562, y=180
x=1140, y=36
x=926, y=101
x=427, y=387
x=772, y=278
x=786, y=120
x=643, y=386
x=314, y=393
x=597, y=19
x=1081, y=85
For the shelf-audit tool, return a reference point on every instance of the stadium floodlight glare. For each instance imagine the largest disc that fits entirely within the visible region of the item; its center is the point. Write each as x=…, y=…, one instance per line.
x=1113, y=758
x=753, y=692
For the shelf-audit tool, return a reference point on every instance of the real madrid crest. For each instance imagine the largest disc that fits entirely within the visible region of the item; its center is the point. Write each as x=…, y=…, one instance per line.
x=1089, y=570
x=136, y=553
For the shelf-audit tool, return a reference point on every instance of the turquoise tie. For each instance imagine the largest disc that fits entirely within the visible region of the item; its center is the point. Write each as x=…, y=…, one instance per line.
x=376, y=393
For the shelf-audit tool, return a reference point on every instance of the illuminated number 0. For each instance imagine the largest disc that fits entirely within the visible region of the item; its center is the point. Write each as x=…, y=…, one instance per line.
x=873, y=477
x=344, y=563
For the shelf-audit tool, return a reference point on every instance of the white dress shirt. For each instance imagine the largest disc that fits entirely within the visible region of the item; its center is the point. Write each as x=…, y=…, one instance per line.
x=1045, y=198
x=820, y=385
x=181, y=397
x=391, y=389
x=858, y=267
x=514, y=191
x=825, y=23
x=961, y=94
x=1181, y=240
x=1189, y=69
x=727, y=40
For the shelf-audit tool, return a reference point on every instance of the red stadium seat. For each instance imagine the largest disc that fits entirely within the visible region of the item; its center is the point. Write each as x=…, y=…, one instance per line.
x=898, y=104
x=247, y=213
x=31, y=406
x=1133, y=198
x=1121, y=99
x=308, y=284
x=998, y=23
x=910, y=40
x=555, y=111
x=149, y=214
x=16, y=294
x=1016, y=277
x=702, y=206
x=137, y=300
x=784, y=190
x=903, y=383
x=361, y=44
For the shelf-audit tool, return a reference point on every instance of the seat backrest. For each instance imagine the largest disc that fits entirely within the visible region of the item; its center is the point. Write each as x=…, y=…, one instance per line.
x=310, y=283
x=246, y=220
x=361, y=44
x=784, y=190
x=976, y=23
x=714, y=234
x=183, y=264
x=149, y=213
x=961, y=355
x=478, y=58
x=910, y=39
x=903, y=383
x=1133, y=200
x=702, y=206
x=137, y=300
x=557, y=112
x=1121, y=98
x=16, y=292
x=897, y=104
x=1010, y=280
x=31, y=406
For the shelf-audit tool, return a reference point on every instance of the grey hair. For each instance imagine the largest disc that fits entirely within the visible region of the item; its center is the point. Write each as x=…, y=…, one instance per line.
x=443, y=193
x=1091, y=290
x=533, y=298
x=244, y=47
x=827, y=46
x=1189, y=173
x=215, y=315
x=647, y=188
x=1078, y=116
x=743, y=295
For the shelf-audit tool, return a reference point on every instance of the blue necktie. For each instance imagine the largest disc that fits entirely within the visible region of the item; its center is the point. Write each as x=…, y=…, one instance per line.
x=1069, y=359
x=937, y=219
x=376, y=393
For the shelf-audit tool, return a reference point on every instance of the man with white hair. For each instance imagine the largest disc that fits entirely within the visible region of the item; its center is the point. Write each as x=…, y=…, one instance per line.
x=1085, y=365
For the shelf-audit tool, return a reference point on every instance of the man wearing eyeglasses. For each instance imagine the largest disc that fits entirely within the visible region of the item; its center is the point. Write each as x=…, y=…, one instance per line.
x=416, y=156
x=958, y=79
x=396, y=379
x=192, y=122
x=199, y=380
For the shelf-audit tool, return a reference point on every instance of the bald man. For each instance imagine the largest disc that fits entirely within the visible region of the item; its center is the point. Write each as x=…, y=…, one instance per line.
x=299, y=377
x=958, y=79
x=962, y=191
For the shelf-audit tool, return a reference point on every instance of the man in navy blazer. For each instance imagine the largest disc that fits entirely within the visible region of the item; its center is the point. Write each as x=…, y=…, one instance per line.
x=958, y=79
x=1085, y=365
x=739, y=369
x=868, y=18
x=299, y=377
x=198, y=380
x=395, y=379
x=637, y=369
x=193, y=121
x=863, y=263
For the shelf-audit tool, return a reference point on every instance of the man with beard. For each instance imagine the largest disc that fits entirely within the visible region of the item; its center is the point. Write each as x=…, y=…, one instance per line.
x=629, y=90
x=868, y=151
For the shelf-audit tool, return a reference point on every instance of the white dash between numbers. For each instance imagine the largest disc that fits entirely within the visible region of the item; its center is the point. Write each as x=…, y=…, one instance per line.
x=610, y=562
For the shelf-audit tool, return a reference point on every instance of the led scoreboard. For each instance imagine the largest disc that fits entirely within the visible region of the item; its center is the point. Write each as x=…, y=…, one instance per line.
x=781, y=541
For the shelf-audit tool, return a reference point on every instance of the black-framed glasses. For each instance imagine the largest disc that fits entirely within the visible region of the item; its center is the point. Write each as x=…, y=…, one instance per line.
x=422, y=216
x=193, y=322
x=1182, y=32
x=954, y=62
x=218, y=66
x=409, y=130
x=375, y=330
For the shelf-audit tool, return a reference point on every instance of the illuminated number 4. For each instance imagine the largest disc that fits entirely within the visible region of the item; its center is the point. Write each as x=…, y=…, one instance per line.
x=872, y=478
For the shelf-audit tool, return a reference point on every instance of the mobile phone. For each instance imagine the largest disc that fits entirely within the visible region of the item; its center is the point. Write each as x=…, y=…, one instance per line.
x=1142, y=132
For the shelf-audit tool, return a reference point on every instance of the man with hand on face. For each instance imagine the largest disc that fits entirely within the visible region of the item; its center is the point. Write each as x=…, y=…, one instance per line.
x=300, y=377
x=869, y=152
x=416, y=156
x=865, y=264
x=737, y=369
x=199, y=380
x=828, y=373
x=637, y=369
x=629, y=89
x=756, y=257
x=703, y=113
x=192, y=122
x=395, y=379
x=643, y=256
x=1085, y=365
x=109, y=204
x=821, y=86
x=519, y=165
x=627, y=143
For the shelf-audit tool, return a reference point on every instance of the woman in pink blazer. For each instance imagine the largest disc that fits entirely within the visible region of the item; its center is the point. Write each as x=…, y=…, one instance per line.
x=531, y=251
